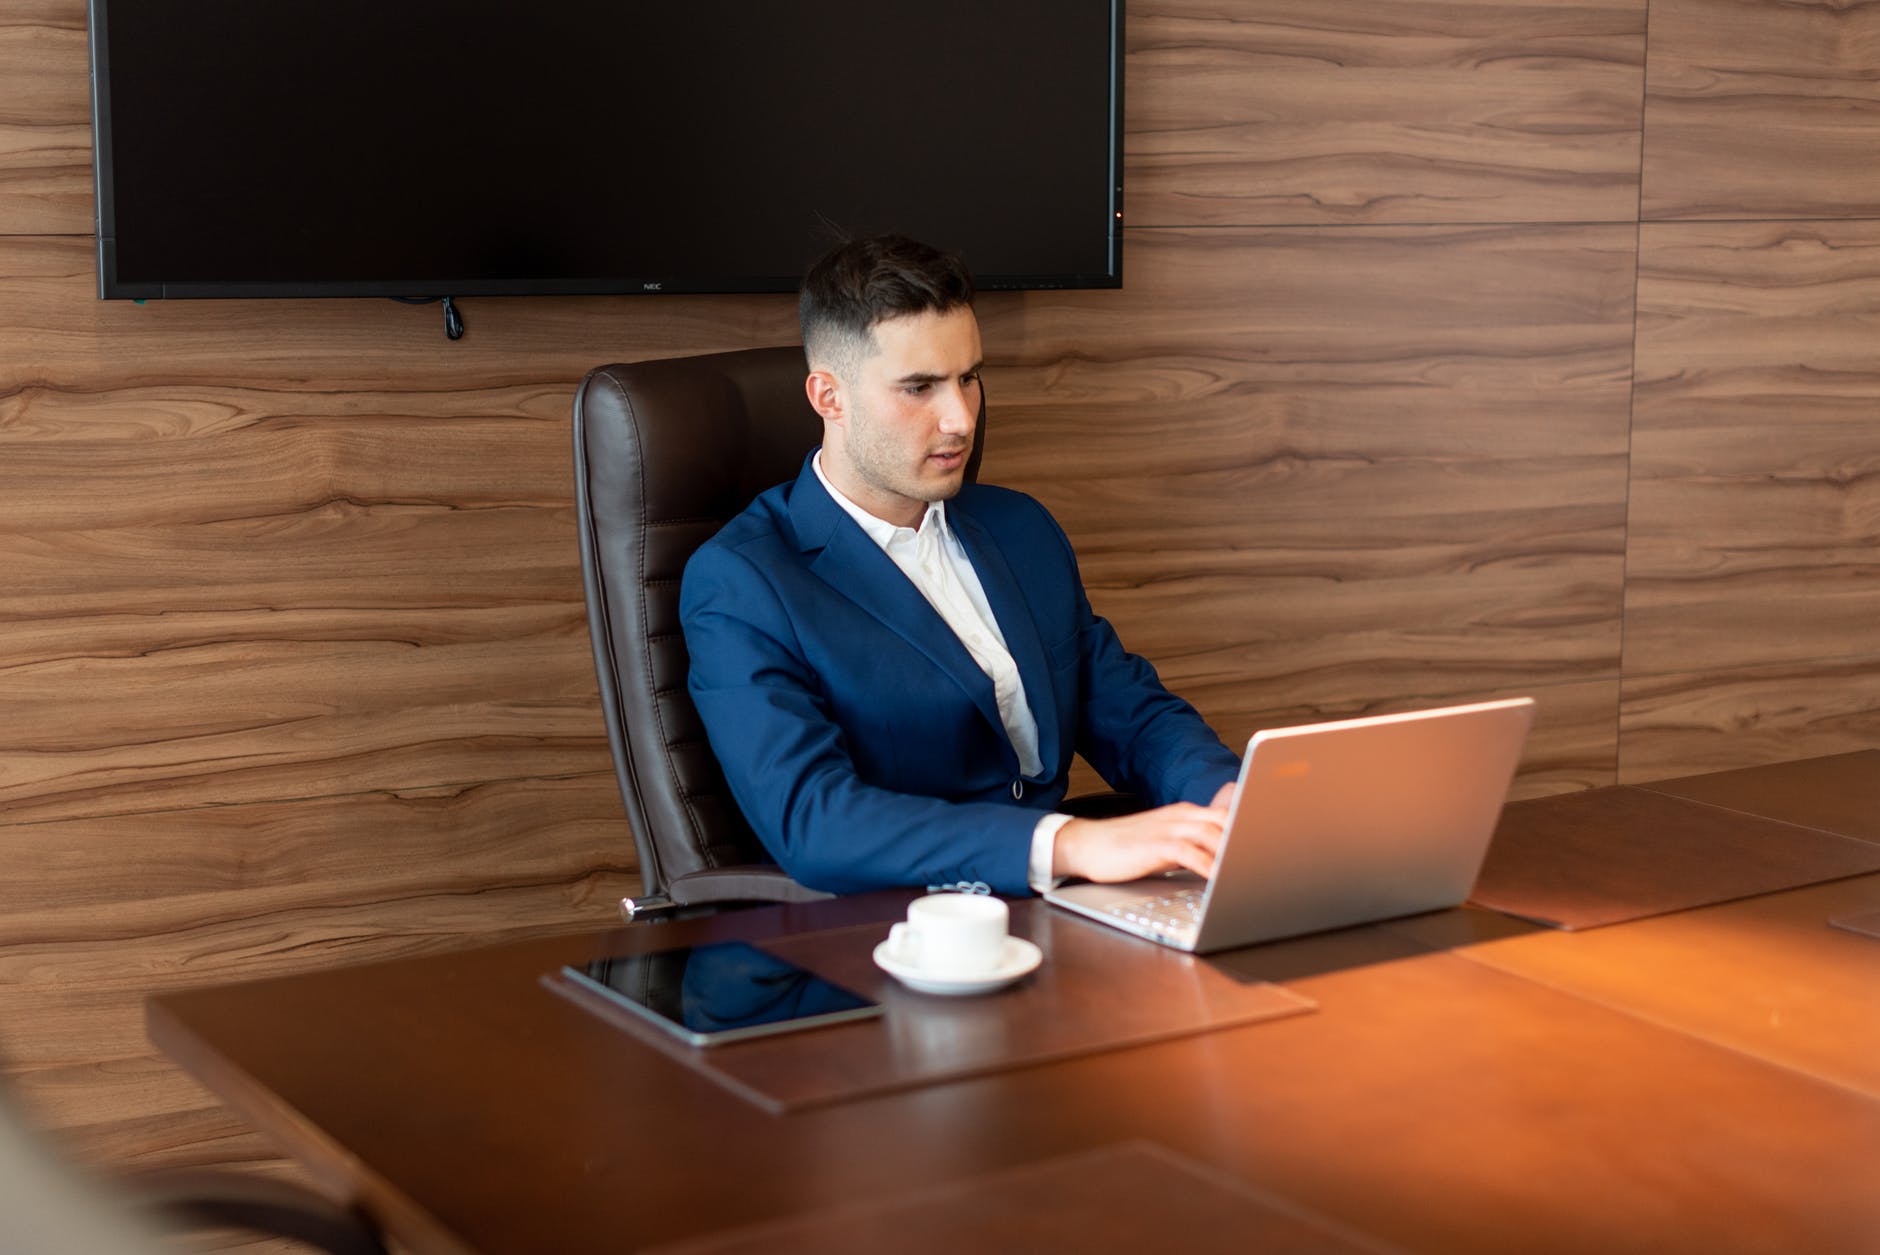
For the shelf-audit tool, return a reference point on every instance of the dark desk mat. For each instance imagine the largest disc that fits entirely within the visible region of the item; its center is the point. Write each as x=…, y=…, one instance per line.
x=1581, y=860
x=1097, y=989
x=1838, y=793
x=1116, y=1200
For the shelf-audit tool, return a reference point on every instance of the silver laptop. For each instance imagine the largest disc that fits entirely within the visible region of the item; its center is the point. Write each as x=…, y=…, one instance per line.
x=1335, y=824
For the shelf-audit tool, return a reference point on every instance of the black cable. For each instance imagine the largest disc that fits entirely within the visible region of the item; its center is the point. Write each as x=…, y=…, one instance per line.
x=453, y=317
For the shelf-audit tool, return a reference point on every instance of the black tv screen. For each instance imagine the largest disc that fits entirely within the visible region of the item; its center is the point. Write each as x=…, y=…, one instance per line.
x=488, y=147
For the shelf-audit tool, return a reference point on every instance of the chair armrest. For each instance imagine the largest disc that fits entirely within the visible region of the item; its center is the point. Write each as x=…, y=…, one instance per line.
x=194, y=1199
x=754, y=882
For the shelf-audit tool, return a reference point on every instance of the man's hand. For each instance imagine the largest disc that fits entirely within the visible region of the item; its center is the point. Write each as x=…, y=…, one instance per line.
x=1144, y=844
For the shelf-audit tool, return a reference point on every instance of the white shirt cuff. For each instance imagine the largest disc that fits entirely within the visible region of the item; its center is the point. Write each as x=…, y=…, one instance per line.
x=1043, y=851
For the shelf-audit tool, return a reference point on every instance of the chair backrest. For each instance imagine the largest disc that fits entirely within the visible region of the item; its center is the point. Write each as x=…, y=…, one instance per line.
x=667, y=452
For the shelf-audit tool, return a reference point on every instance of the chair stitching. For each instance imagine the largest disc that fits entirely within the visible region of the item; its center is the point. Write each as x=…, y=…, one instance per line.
x=646, y=523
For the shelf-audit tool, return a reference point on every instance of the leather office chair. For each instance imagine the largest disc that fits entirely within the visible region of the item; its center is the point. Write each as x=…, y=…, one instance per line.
x=666, y=452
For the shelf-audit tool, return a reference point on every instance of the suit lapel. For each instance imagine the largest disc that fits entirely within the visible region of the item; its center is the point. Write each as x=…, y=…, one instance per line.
x=855, y=566
x=1006, y=596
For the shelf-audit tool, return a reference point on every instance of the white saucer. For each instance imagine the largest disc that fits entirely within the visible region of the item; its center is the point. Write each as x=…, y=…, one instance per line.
x=1021, y=958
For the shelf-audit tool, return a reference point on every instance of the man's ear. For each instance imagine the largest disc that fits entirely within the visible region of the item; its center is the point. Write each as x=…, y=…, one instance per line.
x=825, y=394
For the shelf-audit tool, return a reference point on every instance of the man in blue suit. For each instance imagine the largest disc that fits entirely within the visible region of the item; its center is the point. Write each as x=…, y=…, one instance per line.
x=894, y=666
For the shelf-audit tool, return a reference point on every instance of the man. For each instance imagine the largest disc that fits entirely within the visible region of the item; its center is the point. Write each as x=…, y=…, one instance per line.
x=894, y=667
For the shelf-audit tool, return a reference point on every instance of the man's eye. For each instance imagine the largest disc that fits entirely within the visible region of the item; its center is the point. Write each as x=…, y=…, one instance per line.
x=967, y=381
x=916, y=389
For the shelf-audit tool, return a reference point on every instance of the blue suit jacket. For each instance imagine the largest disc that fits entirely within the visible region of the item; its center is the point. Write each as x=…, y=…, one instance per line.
x=859, y=737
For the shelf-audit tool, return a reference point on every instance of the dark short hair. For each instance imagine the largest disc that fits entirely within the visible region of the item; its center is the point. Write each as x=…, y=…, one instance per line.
x=866, y=281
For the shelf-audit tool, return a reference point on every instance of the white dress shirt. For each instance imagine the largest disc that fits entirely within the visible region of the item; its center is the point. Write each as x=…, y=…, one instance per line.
x=935, y=561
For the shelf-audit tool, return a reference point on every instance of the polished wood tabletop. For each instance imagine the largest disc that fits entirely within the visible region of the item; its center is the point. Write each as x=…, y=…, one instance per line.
x=1700, y=1080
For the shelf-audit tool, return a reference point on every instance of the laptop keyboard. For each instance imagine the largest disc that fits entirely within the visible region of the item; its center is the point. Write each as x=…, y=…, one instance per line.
x=1175, y=915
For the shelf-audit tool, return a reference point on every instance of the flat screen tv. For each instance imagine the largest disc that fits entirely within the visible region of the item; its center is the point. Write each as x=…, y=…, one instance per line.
x=270, y=148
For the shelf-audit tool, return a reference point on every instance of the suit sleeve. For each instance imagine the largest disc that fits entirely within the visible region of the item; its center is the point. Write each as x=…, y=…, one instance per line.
x=790, y=767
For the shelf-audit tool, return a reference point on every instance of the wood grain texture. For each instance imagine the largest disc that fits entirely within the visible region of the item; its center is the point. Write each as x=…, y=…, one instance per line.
x=1755, y=493
x=78, y=1000
x=1268, y=111
x=61, y=338
x=99, y=913
x=1685, y=722
x=193, y=866
x=242, y=717
x=1761, y=110
x=293, y=657
x=45, y=119
x=1337, y=466
x=274, y=587
x=1571, y=746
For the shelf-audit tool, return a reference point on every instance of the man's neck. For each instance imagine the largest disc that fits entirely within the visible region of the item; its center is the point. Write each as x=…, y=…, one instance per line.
x=914, y=517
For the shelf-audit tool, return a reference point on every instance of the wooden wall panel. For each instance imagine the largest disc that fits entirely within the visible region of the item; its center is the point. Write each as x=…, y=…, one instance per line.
x=264, y=588
x=293, y=656
x=193, y=867
x=1755, y=500
x=247, y=721
x=60, y=338
x=1572, y=745
x=1272, y=111
x=1762, y=110
x=45, y=119
x=1307, y=469
x=1688, y=722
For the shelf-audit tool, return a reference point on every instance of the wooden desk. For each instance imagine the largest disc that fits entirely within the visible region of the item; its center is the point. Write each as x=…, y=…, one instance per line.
x=1764, y=975
x=1460, y=1089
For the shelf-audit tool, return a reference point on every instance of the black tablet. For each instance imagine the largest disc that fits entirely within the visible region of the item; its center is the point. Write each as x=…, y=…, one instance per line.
x=721, y=992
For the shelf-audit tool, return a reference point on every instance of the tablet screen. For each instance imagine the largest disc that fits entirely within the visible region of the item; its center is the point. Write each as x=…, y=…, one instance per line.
x=720, y=992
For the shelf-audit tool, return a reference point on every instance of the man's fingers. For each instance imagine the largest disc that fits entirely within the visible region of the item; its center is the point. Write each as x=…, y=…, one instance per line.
x=1205, y=827
x=1193, y=856
x=1194, y=842
x=1181, y=835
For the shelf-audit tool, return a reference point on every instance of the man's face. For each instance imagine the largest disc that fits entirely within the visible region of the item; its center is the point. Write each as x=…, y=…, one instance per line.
x=899, y=427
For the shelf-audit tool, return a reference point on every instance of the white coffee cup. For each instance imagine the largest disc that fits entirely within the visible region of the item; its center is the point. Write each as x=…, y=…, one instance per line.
x=952, y=934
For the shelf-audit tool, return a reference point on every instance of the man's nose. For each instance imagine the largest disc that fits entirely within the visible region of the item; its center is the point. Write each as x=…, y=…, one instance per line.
x=960, y=412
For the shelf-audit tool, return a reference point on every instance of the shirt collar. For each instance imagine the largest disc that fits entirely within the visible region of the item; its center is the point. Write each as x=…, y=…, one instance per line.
x=879, y=530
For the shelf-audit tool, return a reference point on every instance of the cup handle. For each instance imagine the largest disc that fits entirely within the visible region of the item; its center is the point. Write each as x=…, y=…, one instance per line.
x=904, y=942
